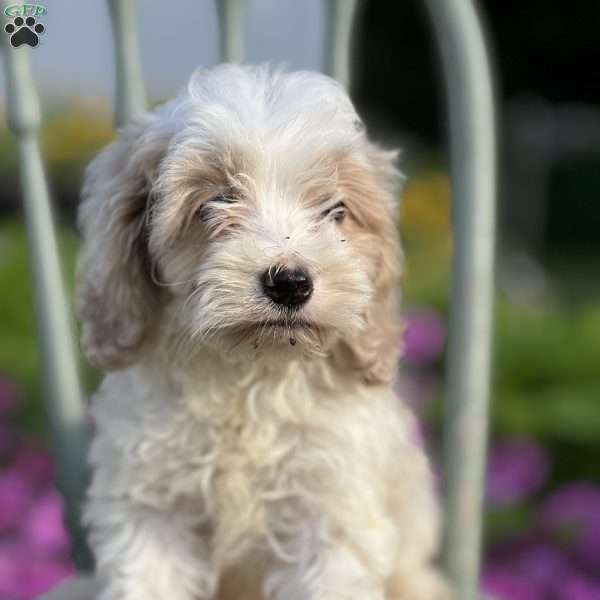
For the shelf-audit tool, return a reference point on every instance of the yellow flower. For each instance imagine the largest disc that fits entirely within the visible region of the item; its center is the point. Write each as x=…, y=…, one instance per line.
x=425, y=212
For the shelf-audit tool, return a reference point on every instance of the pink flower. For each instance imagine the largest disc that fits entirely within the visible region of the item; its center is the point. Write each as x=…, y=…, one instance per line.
x=40, y=575
x=424, y=337
x=34, y=461
x=527, y=565
x=16, y=493
x=576, y=503
x=517, y=468
x=574, y=510
x=11, y=569
x=578, y=587
x=8, y=440
x=587, y=548
x=43, y=527
x=543, y=564
x=503, y=583
x=23, y=575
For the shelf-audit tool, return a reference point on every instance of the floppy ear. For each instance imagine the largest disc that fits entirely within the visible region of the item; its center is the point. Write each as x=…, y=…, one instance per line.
x=375, y=350
x=116, y=299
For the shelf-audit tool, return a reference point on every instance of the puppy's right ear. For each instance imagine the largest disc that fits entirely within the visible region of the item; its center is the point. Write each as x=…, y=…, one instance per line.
x=116, y=299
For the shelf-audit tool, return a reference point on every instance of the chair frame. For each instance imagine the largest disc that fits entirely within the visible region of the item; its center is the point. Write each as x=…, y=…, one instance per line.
x=473, y=141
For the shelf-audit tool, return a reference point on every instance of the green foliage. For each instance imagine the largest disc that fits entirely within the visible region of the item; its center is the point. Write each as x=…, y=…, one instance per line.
x=549, y=346
x=547, y=382
x=19, y=358
x=546, y=362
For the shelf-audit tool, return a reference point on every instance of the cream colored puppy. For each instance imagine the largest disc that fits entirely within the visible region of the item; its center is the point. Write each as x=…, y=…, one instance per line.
x=238, y=281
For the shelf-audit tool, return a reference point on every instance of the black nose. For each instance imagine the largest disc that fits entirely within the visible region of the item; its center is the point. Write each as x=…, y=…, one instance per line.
x=287, y=287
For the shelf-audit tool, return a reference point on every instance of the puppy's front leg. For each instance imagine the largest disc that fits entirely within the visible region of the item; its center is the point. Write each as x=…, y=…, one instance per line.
x=146, y=554
x=328, y=570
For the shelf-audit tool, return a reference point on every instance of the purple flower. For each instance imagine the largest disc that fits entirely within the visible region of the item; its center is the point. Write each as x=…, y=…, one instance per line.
x=543, y=564
x=586, y=549
x=503, y=583
x=573, y=512
x=11, y=569
x=43, y=528
x=575, y=503
x=40, y=575
x=516, y=469
x=8, y=440
x=578, y=587
x=539, y=562
x=9, y=396
x=35, y=463
x=24, y=575
x=15, y=494
x=424, y=337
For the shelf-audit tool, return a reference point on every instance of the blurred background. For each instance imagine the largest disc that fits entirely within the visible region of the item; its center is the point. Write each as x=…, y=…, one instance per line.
x=542, y=538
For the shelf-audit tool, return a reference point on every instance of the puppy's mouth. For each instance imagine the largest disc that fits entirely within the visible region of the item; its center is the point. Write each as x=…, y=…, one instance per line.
x=284, y=324
x=278, y=331
x=279, y=327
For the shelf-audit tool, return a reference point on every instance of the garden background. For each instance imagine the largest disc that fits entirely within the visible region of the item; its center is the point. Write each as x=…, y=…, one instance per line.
x=543, y=489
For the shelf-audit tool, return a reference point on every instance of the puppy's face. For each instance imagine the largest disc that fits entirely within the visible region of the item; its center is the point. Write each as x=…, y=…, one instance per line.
x=263, y=219
x=262, y=246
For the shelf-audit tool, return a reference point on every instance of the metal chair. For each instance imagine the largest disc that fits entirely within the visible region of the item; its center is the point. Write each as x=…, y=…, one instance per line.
x=469, y=91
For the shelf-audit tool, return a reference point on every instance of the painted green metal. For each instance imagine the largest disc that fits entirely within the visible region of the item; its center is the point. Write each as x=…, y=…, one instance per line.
x=232, y=17
x=61, y=385
x=469, y=85
x=339, y=20
x=130, y=93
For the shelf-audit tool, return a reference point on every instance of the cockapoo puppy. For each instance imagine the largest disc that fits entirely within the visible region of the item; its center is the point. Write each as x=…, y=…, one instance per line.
x=238, y=281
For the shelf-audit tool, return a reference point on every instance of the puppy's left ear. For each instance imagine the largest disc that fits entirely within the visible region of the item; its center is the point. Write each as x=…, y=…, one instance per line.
x=116, y=299
x=375, y=350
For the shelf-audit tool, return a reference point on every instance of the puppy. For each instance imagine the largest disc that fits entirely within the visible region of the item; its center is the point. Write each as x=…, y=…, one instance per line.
x=238, y=282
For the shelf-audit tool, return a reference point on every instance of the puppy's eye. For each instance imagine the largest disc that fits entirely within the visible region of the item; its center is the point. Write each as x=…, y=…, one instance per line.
x=337, y=212
x=221, y=199
x=216, y=202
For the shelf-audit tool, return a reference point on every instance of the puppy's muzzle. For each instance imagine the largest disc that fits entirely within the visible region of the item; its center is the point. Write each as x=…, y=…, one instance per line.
x=290, y=288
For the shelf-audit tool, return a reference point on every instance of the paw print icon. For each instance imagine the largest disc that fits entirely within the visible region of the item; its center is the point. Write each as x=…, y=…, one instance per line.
x=24, y=31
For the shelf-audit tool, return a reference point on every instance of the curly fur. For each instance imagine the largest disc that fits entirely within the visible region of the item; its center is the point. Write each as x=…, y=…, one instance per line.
x=242, y=452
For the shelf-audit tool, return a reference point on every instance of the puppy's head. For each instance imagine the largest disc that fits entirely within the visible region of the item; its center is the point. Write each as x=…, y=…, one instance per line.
x=250, y=214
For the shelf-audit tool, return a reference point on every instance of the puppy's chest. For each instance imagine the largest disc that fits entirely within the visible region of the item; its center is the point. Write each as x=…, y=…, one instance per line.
x=238, y=450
